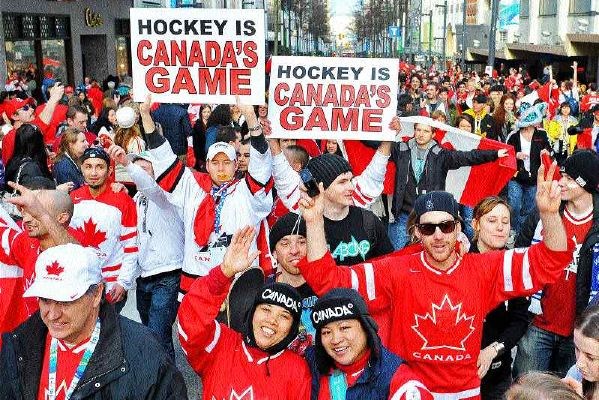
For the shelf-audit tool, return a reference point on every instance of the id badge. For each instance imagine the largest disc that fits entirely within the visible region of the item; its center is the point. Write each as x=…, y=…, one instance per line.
x=217, y=254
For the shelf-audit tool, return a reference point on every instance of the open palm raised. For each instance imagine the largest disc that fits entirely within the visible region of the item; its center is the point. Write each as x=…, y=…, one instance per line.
x=238, y=258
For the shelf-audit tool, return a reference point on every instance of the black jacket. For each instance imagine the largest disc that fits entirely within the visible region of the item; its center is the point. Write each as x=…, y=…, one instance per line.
x=538, y=143
x=438, y=163
x=506, y=324
x=128, y=363
x=585, y=256
x=374, y=382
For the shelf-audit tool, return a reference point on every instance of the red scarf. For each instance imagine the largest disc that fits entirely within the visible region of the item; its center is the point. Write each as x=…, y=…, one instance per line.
x=203, y=223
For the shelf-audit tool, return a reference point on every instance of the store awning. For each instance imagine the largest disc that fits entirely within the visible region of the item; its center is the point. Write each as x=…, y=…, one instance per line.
x=583, y=44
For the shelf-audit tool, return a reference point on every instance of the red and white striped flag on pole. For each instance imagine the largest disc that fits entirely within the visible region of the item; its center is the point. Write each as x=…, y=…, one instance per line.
x=468, y=184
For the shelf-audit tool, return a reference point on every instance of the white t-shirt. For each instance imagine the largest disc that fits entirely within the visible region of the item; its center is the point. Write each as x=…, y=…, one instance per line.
x=525, y=148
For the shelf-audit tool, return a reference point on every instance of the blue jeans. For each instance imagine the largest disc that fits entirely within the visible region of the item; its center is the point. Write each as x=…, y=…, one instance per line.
x=398, y=231
x=541, y=350
x=157, y=305
x=522, y=199
x=467, y=214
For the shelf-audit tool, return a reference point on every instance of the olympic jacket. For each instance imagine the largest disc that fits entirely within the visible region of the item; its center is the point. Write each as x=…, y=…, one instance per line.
x=368, y=185
x=437, y=316
x=229, y=368
x=128, y=363
x=384, y=378
x=160, y=234
x=109, y=223
x=246, y=202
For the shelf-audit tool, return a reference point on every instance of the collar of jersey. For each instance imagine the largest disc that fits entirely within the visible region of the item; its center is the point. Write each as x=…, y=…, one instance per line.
x=437, y=271
x=256, y=353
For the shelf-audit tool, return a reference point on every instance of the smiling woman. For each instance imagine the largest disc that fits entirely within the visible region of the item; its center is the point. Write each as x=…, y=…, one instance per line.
x=507, y=323
x=257, y=360
x=348, y=360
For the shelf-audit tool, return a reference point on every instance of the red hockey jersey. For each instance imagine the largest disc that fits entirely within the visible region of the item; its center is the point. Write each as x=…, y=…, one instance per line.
x=436, y=316
x=109, y=223
x=228, y=367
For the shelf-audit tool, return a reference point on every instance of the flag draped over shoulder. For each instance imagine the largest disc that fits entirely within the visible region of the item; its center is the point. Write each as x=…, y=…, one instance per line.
x=468, y=184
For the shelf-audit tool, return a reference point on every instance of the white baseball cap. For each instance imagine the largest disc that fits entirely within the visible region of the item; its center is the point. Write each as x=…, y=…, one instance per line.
x=65, y=273
x=125, y=117
x=144, y=155
x=221, y=147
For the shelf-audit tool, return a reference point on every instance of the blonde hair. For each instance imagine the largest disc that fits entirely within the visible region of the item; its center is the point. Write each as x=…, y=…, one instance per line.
x=541, y=386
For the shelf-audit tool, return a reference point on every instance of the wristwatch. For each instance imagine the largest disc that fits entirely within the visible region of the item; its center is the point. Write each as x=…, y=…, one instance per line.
x=499, y=348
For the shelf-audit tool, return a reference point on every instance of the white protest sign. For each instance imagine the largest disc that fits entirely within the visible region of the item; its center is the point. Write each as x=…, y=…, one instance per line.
x=332, y=98
x=198, y=55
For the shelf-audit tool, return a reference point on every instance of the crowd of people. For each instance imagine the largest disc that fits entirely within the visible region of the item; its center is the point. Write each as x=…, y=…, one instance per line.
x=291, y=271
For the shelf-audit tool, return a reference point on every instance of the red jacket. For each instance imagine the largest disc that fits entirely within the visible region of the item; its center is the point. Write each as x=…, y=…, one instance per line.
x=435, y=317
x=229, y=368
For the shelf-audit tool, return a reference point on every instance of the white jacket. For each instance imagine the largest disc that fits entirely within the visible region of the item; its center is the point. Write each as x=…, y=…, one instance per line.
x=159, y=227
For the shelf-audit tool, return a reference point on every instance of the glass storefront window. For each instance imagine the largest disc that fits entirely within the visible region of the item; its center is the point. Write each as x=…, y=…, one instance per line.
x=54, y=59
x=122, y=56
x=20, y=57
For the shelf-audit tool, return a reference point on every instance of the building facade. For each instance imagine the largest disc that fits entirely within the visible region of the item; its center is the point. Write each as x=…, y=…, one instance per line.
x=65, y=39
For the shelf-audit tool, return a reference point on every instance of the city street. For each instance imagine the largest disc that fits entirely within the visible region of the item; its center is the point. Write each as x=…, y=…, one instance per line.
x=191, y=378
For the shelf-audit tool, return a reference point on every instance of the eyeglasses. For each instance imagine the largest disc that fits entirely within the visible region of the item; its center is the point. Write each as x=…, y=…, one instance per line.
x=429, y=229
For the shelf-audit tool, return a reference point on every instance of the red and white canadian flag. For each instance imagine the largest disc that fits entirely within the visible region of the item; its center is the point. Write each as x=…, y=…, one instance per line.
x=467, y=184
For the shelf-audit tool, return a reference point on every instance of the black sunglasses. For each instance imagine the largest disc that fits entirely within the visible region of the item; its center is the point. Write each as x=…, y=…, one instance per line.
x=429, y=229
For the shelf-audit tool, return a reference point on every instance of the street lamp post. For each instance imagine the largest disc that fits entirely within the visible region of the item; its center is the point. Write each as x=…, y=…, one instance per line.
x=277, y=27
x=492, y=34
x=463, y=60
x=444, y=38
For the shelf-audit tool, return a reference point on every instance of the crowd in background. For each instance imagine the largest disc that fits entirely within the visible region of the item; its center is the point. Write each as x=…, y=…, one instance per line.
x=165, y=191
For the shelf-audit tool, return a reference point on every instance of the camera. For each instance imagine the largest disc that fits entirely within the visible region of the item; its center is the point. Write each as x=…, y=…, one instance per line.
x=309, y=182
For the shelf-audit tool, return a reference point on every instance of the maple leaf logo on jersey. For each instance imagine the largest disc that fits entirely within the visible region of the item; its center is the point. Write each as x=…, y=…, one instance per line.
x=92, y=236
x=247, y=394
x=54, y=269
x=446, y=327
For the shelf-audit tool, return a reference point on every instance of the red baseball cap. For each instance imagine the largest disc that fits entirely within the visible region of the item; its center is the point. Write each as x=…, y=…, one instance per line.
x=13, y=105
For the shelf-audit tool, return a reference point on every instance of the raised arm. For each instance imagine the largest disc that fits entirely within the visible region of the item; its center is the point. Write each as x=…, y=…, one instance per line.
x=56, y=93
x=372, y=279
x=29, y=202
x=523, y=271
x=370, y=183
x=548, y=202
x=200, y=334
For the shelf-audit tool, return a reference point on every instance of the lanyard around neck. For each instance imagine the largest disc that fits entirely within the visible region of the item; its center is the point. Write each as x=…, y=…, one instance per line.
x=91, y=346
x=337, y=385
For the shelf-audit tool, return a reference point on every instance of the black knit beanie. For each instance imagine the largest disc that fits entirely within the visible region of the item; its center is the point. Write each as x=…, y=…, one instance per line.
x=327, y=167
x=289, y=224
x=339, y=304
x=583, y=167
x=278, y=294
